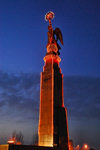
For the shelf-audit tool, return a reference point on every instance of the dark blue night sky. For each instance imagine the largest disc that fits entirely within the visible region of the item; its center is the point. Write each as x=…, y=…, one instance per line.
x=23, y=39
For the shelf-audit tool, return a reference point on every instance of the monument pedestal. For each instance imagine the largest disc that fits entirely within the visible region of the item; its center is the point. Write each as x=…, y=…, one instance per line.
x=53, y=127
x=25, y=147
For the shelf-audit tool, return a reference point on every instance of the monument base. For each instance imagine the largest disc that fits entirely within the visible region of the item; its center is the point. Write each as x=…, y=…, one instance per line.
x=27, y=147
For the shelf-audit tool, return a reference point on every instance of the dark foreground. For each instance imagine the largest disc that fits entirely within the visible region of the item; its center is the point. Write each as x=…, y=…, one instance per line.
x=25, y=147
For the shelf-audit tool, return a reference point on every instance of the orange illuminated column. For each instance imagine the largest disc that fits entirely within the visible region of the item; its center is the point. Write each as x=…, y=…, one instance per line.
x=53, y=128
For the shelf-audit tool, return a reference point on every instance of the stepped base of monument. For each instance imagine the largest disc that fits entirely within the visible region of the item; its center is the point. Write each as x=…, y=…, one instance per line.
x=28, y=147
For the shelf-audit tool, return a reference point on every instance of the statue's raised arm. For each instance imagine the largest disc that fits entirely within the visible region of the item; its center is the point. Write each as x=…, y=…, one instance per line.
x=53, y=35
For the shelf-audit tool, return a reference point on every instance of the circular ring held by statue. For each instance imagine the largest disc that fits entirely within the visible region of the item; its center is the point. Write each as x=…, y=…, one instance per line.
x=49, y=15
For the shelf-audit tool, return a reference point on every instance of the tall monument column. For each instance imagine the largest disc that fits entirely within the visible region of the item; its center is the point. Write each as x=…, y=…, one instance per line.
x=53, y=127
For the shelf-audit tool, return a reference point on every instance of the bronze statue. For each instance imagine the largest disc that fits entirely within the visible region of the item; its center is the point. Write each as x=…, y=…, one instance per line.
x=53, y=35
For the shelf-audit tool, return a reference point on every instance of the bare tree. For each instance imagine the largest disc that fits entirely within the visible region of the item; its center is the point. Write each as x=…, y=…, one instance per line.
x=18, y=137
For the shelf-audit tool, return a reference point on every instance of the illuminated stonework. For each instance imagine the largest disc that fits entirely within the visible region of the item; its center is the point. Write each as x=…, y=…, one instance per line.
x=52, y=47
x=53, y=128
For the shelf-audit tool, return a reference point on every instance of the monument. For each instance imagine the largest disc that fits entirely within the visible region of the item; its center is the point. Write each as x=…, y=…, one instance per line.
x=53, y=126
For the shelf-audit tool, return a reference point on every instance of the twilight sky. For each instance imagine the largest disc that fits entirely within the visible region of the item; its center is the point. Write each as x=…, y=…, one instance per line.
x=23, y=38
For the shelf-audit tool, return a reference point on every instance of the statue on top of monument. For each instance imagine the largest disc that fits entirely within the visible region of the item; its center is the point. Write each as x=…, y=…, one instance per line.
x=53, y=35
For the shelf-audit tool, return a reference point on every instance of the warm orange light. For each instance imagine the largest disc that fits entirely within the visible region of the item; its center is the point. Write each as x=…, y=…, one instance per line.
x=11, y=142
x=46, y=136
x=51, y=57
x=18, y=143
x=85, y=146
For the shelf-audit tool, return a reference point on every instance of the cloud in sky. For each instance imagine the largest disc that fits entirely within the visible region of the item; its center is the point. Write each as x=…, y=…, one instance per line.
x=19, y=101
x=82, y=96
x=19, y=93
